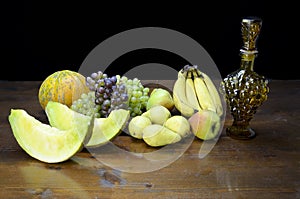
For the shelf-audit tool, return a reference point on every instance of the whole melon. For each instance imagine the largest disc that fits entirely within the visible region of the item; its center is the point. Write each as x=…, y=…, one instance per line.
x=64, y=86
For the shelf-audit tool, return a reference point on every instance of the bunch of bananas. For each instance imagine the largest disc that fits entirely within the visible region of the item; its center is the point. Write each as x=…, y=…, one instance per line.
x=194, y=91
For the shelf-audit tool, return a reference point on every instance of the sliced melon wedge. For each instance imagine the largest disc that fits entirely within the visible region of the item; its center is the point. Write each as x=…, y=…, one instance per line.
x=97, y=131
x=64, y=118
x=106, y=129
x=41, y=141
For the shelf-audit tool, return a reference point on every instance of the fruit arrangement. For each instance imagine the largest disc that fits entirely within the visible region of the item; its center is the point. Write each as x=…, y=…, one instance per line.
x=197, y=98
x=102, y=107
x=113, y=93
x=157, y=127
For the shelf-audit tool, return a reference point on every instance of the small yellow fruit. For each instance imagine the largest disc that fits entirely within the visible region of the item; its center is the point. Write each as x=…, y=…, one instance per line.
x=136, y=126
x=157, y=135
x=205, y=124
x=157, y=114
x=160, y=96
x=179, y=125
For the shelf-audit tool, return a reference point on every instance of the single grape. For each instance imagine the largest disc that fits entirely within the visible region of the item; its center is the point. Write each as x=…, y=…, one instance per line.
x=124, y=97
x=133, y=99
x=101, y=90
x=108, y=83
x=93, y=76
x=114, y=79
x=106, y=103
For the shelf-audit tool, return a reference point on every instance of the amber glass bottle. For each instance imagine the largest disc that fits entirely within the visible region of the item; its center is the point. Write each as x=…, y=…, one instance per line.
x=245, y=90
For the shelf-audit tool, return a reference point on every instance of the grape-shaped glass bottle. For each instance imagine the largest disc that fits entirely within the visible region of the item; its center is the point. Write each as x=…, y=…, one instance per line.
x=245, y=90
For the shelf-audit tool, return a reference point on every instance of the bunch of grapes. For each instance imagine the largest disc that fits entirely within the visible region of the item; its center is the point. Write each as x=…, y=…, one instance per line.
x=137, y=95
x=119, y=97
x=103, y=86
x=86, y=105
x=118, y=92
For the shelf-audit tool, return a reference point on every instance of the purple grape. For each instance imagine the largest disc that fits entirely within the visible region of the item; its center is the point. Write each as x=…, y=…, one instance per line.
x=105, y=96
x=114, y=79
x=101, y=90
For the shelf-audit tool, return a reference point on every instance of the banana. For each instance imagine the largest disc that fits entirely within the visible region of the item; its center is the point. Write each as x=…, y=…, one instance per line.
x=203, y=94
x=179, y=96
x=214, y=93
x=183, y=108
x=191, y=93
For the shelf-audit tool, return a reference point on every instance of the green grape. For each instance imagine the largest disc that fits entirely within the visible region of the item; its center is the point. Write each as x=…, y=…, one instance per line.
x=86, y=105
x=137, y=95
x=133, y=99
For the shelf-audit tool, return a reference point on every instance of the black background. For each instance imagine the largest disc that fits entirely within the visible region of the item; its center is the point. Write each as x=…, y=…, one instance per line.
x=41, y=38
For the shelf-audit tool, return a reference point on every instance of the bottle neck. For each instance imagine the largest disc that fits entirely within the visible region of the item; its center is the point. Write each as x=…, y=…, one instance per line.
x=247, y=61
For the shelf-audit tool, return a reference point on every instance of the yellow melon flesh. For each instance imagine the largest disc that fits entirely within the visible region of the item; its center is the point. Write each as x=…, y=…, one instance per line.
x=106, y=129
x=41, y=141
x=62, y=117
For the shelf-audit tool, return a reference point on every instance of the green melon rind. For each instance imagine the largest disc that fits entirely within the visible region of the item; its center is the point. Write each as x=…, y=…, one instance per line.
x=41, y=141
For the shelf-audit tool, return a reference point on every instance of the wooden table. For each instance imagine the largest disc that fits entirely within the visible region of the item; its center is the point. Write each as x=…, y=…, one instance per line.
x=267, y=166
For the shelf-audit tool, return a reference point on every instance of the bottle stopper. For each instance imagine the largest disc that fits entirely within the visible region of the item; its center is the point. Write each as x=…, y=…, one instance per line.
x=250, y=28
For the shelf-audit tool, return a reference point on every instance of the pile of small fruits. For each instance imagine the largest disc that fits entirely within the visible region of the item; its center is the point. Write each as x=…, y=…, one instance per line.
x=111, y=93
x=91, y=111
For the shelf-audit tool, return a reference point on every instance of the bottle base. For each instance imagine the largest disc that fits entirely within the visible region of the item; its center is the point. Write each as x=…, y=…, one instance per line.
x=240, y=134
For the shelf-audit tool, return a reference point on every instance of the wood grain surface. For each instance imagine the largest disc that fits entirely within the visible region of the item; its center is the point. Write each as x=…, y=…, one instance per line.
x=267, y=166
